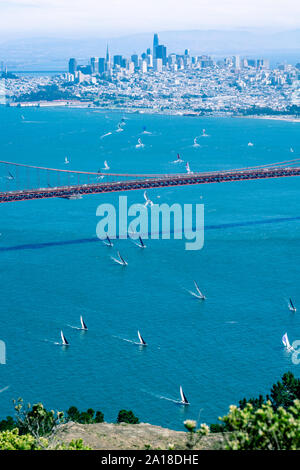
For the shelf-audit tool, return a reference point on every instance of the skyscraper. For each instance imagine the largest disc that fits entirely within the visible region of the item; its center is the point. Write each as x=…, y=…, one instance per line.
x=155, y=44
x=101, y=65
x=72, y=66
x=95, y=64
x=161, y=53
x=107, y=59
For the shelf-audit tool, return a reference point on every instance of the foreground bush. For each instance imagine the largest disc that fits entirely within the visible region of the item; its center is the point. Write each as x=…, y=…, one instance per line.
x=263, y=428
x=11, y=440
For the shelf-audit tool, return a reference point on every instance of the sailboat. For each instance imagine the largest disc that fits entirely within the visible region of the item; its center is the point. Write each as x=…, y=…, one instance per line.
x=142, y=244
x=10, y=176
x=64, y=341
x=83, y=325
x=187, y=166
x=139, y=144
x=292, y=306
x=119, y=128
x=148, y=201
x=106, y=167
x=199, y=293
x=142, y=342
x=122, y=259
x=286, y=342
x=108, y=242
x=66, y=161
x=195, y=144
x=184, y=400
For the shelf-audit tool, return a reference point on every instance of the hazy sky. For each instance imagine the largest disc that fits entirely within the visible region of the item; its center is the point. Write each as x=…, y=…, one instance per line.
x=118, y=17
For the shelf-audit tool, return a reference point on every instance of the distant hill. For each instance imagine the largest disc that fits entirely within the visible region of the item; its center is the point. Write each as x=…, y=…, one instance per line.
x=53, y=53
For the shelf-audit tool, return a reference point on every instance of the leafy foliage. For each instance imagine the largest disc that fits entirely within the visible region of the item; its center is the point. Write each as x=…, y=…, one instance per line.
x=36, y=420
x=84, y=417
x=194, y=435
x=263, y=428
x=126, y=416
x=283, y=393
x=12, y=440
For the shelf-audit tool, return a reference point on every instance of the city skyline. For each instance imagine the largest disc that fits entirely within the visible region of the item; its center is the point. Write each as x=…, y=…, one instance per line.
x=33, y=17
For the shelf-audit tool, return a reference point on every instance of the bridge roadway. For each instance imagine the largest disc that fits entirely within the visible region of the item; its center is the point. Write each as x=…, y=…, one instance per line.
x=160, y=181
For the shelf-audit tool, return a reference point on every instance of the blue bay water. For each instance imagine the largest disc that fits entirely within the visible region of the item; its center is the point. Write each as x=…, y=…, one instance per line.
x=53, y=270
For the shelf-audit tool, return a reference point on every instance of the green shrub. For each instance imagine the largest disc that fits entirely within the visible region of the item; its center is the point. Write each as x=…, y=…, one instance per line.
x=84, y=417
x=127, y=416
x=11, y=440
x=263, y=428
x=36, y=420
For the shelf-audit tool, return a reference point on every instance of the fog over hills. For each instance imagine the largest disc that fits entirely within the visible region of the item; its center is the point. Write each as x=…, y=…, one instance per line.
x=52, y=53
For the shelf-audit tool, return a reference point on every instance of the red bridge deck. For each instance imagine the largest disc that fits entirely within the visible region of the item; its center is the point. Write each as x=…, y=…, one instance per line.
x=147, y=182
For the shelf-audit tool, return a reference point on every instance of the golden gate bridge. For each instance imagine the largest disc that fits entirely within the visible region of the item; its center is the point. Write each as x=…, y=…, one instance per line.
x=21, y=182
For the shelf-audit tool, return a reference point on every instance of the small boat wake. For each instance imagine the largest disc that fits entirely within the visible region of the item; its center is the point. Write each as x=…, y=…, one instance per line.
x=141, y=341
x=105, y=135
x=183, y=400
x=145, y=131
x=4, y=389
x=83, y=326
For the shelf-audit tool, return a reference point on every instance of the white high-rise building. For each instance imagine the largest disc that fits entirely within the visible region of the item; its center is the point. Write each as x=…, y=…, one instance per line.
x=158, y=64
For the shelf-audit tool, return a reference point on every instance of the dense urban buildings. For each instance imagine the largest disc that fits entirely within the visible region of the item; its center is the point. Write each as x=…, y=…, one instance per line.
x=156, y=81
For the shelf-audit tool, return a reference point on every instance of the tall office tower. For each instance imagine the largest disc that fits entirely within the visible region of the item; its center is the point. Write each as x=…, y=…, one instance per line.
x=161, y=53
x=135, y=60
x=148, y=51
x=101, y=65
x=117, y=60
x=95, y=64
x=108, y=64
x=72, y=66
x=155, y=44
x=187, y=52
x=144, y=56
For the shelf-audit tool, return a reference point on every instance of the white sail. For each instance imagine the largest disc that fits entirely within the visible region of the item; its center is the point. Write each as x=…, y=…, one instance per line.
x=184, y=400
x=141, y=339
x=122, y=259
x=83, y=325
x=202, y=296
x=64, y=341
x=286, y=342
